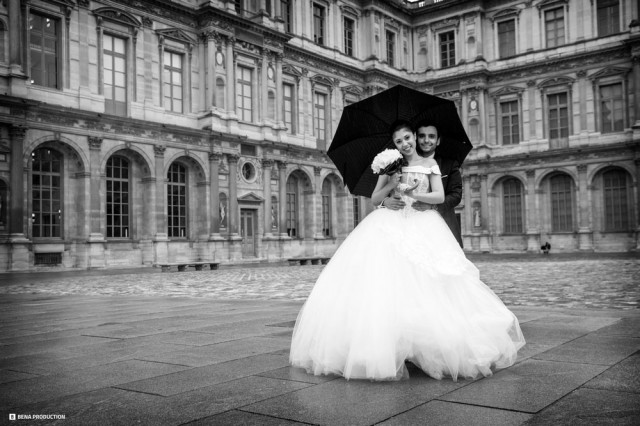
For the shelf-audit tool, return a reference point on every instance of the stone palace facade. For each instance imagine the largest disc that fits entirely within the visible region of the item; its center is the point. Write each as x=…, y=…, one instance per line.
x=135, y=132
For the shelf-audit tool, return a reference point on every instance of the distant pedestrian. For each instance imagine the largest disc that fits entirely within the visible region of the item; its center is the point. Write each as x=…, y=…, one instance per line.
x=546, y=247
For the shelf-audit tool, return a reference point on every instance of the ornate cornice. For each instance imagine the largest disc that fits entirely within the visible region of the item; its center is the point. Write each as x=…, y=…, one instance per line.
x=117, y=15
x=176, y=34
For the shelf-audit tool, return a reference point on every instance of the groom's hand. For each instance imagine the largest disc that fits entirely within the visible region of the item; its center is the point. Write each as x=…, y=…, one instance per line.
x=421, y=206
x=394, y=202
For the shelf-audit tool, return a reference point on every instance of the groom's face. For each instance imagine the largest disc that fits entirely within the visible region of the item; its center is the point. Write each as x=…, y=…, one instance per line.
x=428, y=139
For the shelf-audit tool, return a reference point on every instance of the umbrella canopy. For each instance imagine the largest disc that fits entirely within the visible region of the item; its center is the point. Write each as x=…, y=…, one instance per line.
x=364, y=129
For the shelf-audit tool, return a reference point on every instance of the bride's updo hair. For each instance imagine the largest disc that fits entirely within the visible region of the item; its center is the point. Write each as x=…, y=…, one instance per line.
x=400, y=124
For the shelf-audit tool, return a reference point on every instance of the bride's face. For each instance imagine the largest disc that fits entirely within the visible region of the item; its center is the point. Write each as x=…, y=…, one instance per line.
x=405, y=141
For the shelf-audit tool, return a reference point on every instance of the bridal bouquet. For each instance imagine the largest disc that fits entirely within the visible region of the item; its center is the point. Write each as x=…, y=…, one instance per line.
x=387, y=162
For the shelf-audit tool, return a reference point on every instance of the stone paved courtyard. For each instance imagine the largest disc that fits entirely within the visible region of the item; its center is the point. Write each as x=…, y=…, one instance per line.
x=124, y=347
x=573, y=281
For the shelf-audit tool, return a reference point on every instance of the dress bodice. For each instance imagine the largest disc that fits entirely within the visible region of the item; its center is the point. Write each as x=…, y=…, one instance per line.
x=420, y=173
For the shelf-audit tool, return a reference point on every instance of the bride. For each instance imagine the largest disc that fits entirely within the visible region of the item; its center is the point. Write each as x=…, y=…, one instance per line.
x=399, y=288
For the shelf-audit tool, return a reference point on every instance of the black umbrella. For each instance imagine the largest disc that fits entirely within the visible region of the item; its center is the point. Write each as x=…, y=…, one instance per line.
x=364, y=129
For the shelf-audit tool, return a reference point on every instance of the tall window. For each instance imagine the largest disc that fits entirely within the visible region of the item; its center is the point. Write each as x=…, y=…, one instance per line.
x=287, y=106
x=554, y=27
x=292, y=206
x=243, y=94
x=117, y=197
x=320, y=105
x=512, y=203
x=46, y=193
x=507, y=38
x=115, y=75
x=612, y=108
x=238, y=5
x=177, y=201
x=326, y=208
x=285, y=7
x=172, y=81
x=616, y=207
x=318, y=24
x=43, y=46
x=561, y=203
x=356, y=211
x=558, y=119
x=391, y=47
x=349, y=26
x=510, y=122
x=608, y=17
x=447, y=49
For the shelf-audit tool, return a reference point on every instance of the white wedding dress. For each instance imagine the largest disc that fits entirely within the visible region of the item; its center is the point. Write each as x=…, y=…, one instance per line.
x=400, y=288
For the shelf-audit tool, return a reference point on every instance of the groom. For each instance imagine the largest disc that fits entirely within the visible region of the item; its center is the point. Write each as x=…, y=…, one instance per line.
x=428, y=140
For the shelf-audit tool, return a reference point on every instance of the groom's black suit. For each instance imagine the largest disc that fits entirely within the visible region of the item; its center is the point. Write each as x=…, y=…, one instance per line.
x=452, y=185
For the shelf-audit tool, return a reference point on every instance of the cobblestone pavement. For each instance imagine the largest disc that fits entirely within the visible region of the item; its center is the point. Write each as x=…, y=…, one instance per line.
x=609, y=282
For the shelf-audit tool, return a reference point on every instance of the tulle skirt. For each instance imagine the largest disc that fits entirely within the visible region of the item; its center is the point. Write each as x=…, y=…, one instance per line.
x=398, y=289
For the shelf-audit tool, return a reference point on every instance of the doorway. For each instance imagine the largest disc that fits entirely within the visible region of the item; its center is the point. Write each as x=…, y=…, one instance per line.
x=248, y=232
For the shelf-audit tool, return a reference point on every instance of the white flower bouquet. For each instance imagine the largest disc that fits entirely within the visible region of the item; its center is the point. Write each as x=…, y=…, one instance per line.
x=387, y=162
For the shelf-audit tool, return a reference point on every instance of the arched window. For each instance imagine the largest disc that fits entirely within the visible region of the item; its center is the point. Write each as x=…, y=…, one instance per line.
x=616, y=203
x=512, y=205
x=326, y=208
x=118, y=197
x=4, y=208
x=46, y=193
x=177, y=201
x=561, y=203
x=292, y=206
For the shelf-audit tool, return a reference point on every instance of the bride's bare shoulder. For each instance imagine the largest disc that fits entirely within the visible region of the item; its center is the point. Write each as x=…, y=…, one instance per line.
x=428, y=162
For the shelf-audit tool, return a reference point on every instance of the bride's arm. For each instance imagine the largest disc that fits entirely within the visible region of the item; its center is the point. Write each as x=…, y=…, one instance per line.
x=383, y=187
x=435, y=196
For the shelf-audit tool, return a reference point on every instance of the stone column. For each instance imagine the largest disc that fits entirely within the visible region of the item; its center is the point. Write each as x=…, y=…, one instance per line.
x=485, y=242
x=214, y=196
x=233, y=212
x=282, y=170
x=160, y=212
x=230, y=63
x=161, y=74
x=263, y=66
x=637, y=218
x=316, y=207
x=636, y=90
x=19, y=250
x=532, y=214
x=468, y=210
x=585, y=232
x=266, y=176
x=279, y=91
x=16, y=196
x=211, y=70
x=96, y=240
x=582, y=93
x=95, y=145
x=531, y=91
x=15, y=40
